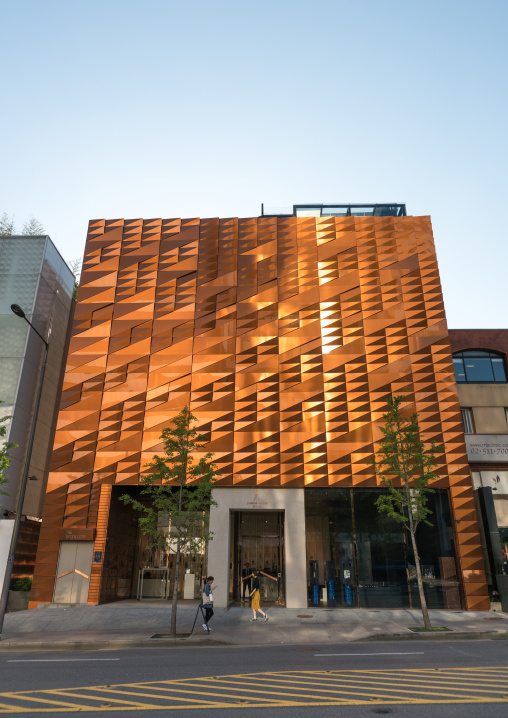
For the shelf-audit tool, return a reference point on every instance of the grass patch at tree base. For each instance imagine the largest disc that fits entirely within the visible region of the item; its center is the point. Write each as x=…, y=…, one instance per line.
x=422, y=629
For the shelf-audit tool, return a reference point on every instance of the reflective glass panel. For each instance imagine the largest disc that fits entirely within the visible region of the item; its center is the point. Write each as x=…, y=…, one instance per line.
x=458, y=365
x=385, y=211
x=334, y=212
x=382, y=580
x=467, y=421
x=358, y=557
x=478, y=369
x=330, y=552
x=498, y=369
x=362, y=211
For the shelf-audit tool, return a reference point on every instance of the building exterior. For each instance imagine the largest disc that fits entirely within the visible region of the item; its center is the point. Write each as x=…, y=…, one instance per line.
x=33, y=275
x=286, y=334
x=480, y=359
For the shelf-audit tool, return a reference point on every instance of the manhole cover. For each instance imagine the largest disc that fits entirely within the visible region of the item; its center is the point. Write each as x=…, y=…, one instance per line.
x=304, y=615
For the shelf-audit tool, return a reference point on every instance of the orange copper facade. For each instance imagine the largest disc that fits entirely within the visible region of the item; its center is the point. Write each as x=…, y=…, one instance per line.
x=286, y=335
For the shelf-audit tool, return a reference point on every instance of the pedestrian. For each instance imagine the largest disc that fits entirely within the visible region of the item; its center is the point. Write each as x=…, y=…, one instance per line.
x=247, y=575
x=256, y=598
x=207, y=602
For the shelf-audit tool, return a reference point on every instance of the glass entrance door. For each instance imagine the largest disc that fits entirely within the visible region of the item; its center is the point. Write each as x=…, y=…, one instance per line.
x=257, y=542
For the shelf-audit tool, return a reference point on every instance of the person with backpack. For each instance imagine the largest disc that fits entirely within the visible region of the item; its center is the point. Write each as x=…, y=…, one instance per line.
x=207, y=602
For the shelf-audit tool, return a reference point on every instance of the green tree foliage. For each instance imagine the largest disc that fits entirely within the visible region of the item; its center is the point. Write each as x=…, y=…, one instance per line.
x=405, y=467
x=5, y=459
x=75, y=267
x=6, y=225
x=33, y=228
x=177, y=493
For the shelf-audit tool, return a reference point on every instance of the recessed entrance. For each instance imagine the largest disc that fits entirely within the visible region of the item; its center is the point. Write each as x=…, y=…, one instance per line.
x=257, y=542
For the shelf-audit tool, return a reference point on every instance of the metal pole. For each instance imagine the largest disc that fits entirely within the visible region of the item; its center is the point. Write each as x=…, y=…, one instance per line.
x=22, y=489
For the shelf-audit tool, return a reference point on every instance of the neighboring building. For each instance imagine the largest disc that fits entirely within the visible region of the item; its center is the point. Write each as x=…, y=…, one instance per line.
x=286, y=335
x=480, y=358
x=33, y=275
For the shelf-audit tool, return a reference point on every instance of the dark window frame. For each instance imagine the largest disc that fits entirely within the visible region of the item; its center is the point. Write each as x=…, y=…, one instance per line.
x=471, y=354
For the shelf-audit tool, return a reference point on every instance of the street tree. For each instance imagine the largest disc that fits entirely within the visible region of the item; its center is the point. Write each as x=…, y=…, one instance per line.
x=6, y=225
x=75, y=267
x=33, y=228
x=177, y=494
x=5, y=458
x=405, y=466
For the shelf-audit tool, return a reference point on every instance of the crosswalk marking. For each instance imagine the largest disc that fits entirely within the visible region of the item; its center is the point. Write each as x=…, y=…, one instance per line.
x=274, y=689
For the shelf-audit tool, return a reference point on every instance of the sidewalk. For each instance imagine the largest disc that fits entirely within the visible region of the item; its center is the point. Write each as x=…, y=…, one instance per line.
x=131, y=623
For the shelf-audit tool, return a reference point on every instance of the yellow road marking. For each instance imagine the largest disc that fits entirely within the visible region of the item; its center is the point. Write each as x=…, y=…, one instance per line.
x=459, y=683
x=328, y=688
x=250, y=691
x=437, y=672
x=282, y=704
x=65, y=692
x=267, y=701
x=25, y=697
x=412, y=683
x=350, y=691
x=5, y=707
x=133, y=693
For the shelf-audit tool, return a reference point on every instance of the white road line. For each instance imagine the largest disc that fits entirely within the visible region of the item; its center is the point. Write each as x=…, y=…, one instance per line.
x=410, y=653
x=57, y=660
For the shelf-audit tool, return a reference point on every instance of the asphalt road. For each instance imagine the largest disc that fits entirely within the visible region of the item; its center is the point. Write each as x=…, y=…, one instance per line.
x=459, y=678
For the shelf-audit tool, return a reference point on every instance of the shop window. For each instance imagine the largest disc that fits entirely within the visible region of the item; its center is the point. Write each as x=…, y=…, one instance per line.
x=358, y=557
x=467, y=421
x=476, y=366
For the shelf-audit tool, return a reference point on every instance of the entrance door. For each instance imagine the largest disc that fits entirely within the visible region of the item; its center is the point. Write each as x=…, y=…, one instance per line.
x=257, y=542
x=73, y=572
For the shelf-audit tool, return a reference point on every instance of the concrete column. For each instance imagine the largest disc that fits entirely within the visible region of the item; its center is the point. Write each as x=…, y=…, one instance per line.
x=291, y=501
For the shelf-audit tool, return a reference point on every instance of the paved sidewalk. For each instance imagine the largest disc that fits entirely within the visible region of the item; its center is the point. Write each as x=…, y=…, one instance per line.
x=128, y=624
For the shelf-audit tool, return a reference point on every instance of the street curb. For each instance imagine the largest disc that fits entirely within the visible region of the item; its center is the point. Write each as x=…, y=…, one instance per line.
x=116, y=645
x=437, y=636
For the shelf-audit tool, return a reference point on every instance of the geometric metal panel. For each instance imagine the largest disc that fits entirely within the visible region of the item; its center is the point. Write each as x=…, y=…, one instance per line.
x=285, y=336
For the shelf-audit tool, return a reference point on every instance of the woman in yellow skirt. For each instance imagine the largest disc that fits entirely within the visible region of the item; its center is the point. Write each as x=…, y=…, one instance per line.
x=256, y=598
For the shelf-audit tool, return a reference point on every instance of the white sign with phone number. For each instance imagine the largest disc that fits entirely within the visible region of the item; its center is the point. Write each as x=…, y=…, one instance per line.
x=487, y=447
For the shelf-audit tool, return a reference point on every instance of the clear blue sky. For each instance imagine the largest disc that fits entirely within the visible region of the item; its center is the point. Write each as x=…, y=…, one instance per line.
x=123, y=108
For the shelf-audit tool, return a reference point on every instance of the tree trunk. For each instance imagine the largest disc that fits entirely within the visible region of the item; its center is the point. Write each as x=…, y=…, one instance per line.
x=412, y=531
x=423, y=601
x=172, y=630
x=183, y=475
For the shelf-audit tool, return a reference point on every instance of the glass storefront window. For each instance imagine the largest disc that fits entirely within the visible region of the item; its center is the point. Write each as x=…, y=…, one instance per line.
x=360, y=558
x=382, y=580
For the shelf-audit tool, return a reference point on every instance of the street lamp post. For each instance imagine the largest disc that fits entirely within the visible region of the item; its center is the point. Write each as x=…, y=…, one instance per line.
x=26, y=469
